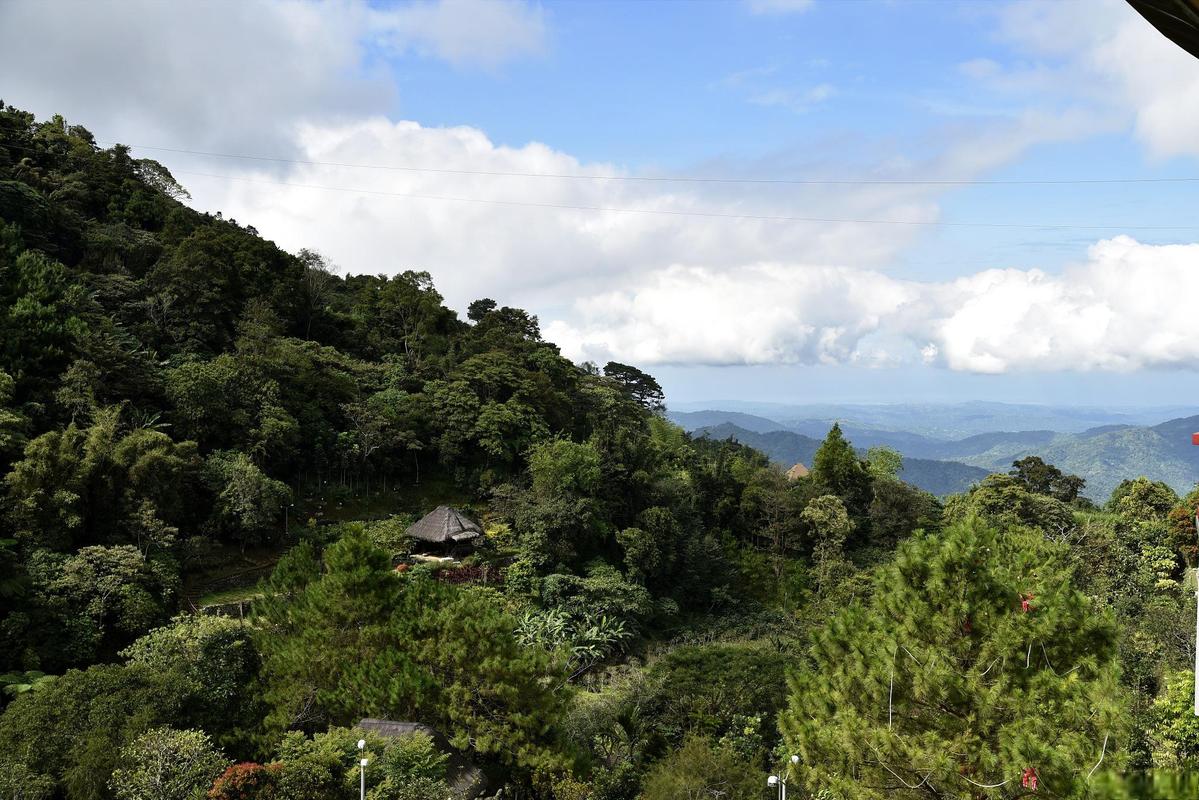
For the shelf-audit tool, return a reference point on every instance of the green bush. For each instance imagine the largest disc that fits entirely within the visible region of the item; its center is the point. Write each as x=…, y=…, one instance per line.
x=702, y=769
x=167, y=764
x=325, y=766
x=73, y=730
x=604, y=592
x=712, y=689
x=1173, y=727
x=214, y=665
x=19, y=782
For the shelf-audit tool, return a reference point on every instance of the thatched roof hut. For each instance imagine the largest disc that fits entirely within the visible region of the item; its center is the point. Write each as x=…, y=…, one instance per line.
x=446, y=526
x=796, y=472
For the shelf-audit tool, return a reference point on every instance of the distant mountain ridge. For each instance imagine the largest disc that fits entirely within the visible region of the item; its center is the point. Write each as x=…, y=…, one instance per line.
x=949, y=421
x=787, y=447
x=1103, y=454
x=693, y=420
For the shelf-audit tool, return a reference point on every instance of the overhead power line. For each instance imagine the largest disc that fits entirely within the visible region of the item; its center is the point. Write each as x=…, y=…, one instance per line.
x=679, y=213
x=673, y=212
x=680, y=178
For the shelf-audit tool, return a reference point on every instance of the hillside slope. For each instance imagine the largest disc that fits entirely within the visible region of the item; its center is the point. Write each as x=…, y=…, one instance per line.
x=1107, y=457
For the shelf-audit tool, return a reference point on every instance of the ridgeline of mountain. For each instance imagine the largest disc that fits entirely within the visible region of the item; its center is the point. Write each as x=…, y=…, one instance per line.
x=995, y=441
x=694, y=420
x=910, y=444
x=787, y=447
x=783, y=447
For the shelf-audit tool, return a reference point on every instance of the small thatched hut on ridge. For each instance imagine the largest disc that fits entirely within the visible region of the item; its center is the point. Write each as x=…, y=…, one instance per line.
x=797, y=472
x=445, y=528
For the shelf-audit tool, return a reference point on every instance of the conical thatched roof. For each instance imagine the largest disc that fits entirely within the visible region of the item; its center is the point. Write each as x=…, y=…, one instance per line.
x=444, y=525
x=797, y=472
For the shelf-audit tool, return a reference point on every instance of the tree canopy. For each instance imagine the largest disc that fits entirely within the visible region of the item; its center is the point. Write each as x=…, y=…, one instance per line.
x=975, y=663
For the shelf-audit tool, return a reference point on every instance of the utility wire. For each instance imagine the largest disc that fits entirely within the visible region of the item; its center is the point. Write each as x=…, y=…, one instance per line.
x=683, y=178
x=667, y=212
x=676, y=213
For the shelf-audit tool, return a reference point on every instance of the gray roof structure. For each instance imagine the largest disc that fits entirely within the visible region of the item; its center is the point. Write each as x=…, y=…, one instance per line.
x=465, y=779
x=1178, y=20
x=394, y=730
x=444, y=525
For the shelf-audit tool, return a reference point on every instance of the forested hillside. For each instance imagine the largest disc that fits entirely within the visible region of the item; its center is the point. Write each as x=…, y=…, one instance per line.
x=186, y=407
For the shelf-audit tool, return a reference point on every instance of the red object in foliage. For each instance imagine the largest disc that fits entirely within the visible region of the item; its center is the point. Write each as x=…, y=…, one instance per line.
x=402, y=567
x=1026, y=603
x=1029, y=781
x=246, y=781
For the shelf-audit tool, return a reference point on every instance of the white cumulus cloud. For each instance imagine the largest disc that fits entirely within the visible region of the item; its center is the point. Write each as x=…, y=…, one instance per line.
x=468, y=32
x=1105, y=54
x=238, y=76
x=1128, y=307
x=758, y=314
x=1125, y=308
x=537, y=241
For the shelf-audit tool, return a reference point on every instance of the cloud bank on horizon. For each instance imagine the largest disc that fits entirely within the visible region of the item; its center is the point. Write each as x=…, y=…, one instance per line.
x=327, y=83
x=1118, y=311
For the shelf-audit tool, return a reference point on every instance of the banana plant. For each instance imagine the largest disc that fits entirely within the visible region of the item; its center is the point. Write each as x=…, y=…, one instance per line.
x=16, y=683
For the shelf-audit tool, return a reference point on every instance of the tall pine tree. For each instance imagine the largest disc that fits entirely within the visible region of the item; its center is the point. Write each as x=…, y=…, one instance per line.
x=975, y=667
x=837, y=470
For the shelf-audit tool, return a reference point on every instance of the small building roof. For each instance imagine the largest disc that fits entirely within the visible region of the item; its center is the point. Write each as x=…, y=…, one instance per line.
x=395, y=730
x=798, y=471
x=465, y=779
x=444, y=525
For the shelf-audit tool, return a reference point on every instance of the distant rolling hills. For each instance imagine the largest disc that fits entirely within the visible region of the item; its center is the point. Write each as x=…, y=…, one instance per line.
x=943, y=421
x=787, y=447
x=1104, y=454
x=694, y=420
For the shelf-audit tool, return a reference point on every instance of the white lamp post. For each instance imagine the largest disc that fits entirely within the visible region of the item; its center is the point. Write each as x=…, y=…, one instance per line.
x=780, y=780
x=362, y=767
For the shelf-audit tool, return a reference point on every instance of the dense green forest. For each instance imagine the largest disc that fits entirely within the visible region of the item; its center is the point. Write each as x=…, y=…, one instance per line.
x=211, y=450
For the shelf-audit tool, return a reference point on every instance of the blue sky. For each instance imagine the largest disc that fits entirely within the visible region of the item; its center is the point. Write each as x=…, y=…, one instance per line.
x=720, y=308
